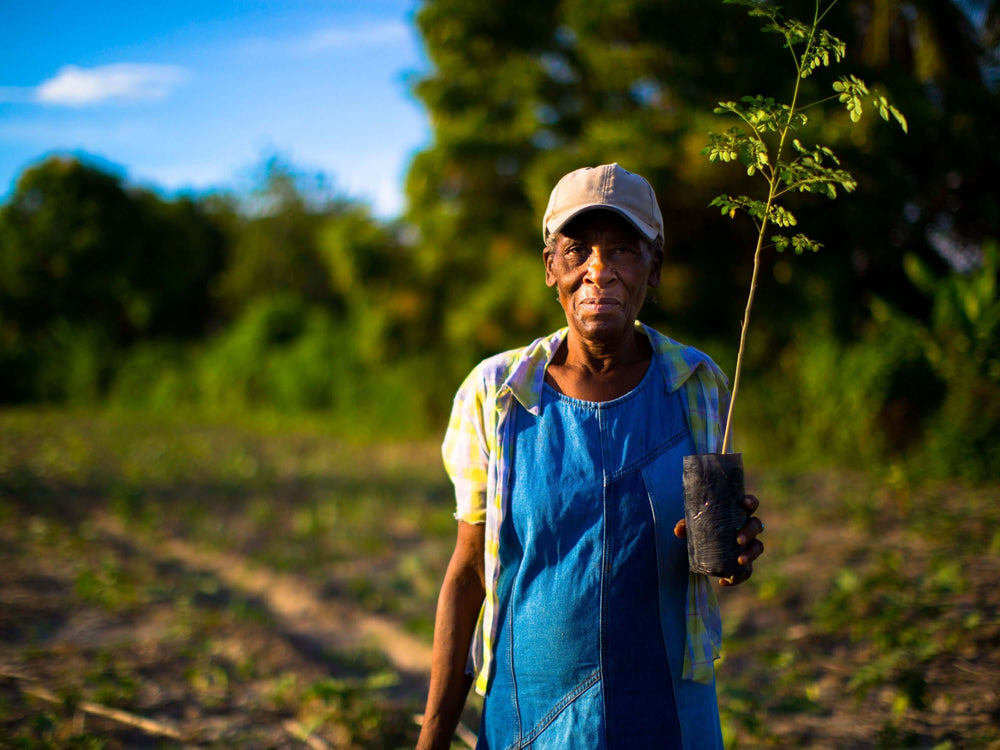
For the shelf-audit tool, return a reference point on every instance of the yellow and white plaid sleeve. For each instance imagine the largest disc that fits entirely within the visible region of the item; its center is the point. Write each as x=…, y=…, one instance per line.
x=466, y=449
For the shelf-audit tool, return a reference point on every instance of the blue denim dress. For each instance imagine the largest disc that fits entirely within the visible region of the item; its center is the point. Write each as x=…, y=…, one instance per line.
x=587, y=655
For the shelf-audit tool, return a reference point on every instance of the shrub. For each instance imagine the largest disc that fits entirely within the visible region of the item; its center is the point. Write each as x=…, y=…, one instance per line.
x=283, y=357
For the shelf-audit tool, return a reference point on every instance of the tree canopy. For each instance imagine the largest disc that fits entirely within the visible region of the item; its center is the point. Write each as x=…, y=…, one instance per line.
x=518, y=95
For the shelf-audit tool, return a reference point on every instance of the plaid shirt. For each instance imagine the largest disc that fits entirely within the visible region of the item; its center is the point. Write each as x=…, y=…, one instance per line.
x=479, y=442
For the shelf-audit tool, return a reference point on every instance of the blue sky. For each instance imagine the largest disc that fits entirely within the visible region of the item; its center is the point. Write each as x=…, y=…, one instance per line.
x=193, y=95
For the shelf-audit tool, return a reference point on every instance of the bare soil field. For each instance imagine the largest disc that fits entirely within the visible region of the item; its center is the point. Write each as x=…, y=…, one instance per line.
x=168, y=584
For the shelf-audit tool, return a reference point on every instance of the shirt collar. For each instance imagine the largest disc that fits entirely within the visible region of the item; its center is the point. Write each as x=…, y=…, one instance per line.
x=677, y=363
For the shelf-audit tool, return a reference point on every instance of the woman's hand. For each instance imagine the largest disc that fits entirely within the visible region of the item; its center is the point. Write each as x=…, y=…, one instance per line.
x=750, y=547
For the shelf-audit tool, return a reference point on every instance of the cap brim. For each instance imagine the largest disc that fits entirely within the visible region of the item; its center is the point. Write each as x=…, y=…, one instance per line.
x=557, y=222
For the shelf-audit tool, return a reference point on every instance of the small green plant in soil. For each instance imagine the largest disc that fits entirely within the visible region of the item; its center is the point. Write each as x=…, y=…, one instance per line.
x=765, y=144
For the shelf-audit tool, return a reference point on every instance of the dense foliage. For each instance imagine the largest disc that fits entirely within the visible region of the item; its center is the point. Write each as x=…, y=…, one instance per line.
x=881, y=348
x=89, y=267
x=289, y=299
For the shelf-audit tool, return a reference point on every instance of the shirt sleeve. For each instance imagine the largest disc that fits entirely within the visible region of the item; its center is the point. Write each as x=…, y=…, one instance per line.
x=466, y=449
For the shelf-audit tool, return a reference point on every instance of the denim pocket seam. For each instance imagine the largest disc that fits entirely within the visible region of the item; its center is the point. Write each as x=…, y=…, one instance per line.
x=567, y=700
x=665, y=447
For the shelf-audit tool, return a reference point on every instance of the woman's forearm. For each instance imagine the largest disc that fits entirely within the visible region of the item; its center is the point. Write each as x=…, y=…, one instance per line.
x=457, y=613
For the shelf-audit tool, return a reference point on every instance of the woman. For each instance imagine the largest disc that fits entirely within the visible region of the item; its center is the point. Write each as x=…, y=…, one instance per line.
x=569, y=577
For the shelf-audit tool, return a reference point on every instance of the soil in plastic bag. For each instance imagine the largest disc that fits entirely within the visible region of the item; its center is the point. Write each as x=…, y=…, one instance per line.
x=713, y=509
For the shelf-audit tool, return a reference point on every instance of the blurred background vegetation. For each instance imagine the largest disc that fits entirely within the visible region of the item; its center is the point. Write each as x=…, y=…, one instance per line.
x=883, y=350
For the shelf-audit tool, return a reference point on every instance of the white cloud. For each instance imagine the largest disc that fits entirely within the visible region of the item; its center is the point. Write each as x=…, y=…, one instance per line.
x=81, y=87
x=332, y=39
x=339, y=38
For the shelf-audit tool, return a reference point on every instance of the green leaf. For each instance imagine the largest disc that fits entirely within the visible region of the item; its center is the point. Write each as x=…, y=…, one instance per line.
x=899, y=118
x=919, y=273
x=782, y=216
x=801, y=243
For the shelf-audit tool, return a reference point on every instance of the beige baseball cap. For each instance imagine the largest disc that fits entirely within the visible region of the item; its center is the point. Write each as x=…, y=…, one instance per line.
x=607, y=186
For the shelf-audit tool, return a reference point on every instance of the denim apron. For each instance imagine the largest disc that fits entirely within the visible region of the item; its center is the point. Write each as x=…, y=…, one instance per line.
x=589, y=650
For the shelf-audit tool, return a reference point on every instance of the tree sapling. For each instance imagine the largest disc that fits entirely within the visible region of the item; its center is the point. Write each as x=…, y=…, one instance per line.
x=764, y=143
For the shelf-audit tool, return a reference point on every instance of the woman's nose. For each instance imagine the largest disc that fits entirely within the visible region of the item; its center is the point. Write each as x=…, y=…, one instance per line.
x=597, y=269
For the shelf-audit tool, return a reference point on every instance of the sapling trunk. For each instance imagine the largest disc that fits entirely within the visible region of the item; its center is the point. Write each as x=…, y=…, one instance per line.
x=772, y=189
x=726, y=439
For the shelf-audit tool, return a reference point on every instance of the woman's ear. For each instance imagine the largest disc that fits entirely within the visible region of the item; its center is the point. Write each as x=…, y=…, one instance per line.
x=547, y=252
x=656, y=248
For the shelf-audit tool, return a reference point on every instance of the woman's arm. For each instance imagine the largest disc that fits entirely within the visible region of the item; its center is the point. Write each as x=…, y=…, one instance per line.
x=458, y=608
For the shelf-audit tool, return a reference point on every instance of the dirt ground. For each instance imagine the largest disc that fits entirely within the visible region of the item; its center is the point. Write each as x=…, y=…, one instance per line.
x=886, y=638
x=262, y=623
x=873, y=621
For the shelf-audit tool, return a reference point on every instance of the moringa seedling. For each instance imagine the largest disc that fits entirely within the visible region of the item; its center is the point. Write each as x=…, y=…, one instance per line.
x=765, y=144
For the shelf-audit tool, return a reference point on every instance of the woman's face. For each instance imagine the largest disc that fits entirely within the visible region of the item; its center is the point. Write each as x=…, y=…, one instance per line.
x=601, y=267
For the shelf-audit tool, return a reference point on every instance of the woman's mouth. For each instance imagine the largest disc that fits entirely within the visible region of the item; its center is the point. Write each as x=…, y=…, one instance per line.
x=599, y=304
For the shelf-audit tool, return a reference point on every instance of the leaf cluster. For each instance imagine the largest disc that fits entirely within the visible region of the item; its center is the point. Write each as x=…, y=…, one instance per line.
x=820, y=44
x=762, y=139
x=852, y=89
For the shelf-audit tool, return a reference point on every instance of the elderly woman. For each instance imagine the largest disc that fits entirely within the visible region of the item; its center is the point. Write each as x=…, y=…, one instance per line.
x=568, y=598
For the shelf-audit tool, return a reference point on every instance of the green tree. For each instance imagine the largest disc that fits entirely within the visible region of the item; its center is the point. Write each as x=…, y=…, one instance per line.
x=294, y=238
x=79, y=245
x=466, y=193
x=518, y=95
x=369, y=272
x=89, y=266
x=273, y=242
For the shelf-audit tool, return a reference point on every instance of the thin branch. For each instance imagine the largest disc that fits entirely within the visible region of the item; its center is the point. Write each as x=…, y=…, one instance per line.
x=772, y=191
x=300, y=733
x=462, y=732
x=804, y=181
x=821, y=16
x=726, y=439
x=818, y=102
x=149, y=726
x=466, y=735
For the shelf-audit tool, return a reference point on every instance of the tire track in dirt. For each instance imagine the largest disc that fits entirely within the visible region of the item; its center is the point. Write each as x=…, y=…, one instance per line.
x=298, y=608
